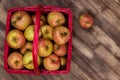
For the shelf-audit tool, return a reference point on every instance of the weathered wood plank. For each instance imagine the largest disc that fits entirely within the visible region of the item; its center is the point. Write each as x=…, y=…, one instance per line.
x=68, y=76
x=98, y=67
x=111, y=76
x=4, y=75
x=103, y=69
x=2, y=28
x=111, y=17
x=7, y=4
x=85, y=36
x=98, y=5
x=79, y=72
x=108, y=58
x=83, y=48
x=84, y=3
x=82, y=62
x=114, y=5
x=46, y=77
x=106, y=41
x=3, y=16
x=109, y=29
x=56, y=77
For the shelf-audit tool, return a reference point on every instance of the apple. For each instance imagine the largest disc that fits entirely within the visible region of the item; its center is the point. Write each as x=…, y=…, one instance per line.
x=42, y=19
x=15, y=39
x=56, y=18
x=60, y=50
x=61, y=35
x=15, y=60
x=26, y=47
x=46, y=31
x=20, y=20
x=86, y=20
x=28, y=60
x=63, y=62
x=29, y=33
x=45, y=47
x=51, y=62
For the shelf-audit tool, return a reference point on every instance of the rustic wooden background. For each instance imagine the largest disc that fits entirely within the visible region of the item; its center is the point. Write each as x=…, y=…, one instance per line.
x=96, y=52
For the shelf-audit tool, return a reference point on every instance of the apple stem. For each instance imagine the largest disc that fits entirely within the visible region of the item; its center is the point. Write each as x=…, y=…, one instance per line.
x=58, y=21
x=47, y=47
x=16, y=63
x=30, y=62
x=14, y=39
x=53, y=60
x=13, y=22
x=18, y=17
x=46, y=32
x=64, y=34
x=58, y=47
x=87, y=22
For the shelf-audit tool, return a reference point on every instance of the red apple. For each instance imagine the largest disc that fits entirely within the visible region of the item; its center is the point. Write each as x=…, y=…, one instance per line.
x=61, y=35
x=63, y=62
x=45, y=47
x=21, y=19
x=86, y=20
x=26, y=47
x=29, y=32
x=51, y=62
x=55, y=18
x=60, y=50
x=42, y=19
x=46, y=31
x=15, y=60
x=15, y=39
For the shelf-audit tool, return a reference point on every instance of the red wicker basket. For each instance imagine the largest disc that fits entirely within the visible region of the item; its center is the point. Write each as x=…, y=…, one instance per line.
x=38, y=10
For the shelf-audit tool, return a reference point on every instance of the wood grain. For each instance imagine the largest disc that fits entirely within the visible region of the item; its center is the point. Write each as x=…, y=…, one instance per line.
x=96, y=51
x=108, y=58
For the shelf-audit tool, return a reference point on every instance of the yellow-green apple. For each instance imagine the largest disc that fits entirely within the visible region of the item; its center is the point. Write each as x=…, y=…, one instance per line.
x=42, y=19
x=61, y=35
x=26, y=47
x=60, y=50
x=46, y=31
x=20, y=20
x=63, y=62
x=15, y=60
x=56, y=18
x=15, y=39
x=86, y=20
x=51, y=62
x=45, y=47
x=28, y=60
x=29, y=32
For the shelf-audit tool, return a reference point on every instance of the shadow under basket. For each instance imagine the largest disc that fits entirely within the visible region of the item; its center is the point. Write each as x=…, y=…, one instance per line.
x=38, y=10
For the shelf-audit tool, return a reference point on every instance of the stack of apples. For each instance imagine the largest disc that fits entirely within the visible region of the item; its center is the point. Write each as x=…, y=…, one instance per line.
x=52, y=44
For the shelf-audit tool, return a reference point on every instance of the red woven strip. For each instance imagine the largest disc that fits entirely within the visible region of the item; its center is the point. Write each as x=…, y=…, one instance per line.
x=35, y=42
x=6, y=49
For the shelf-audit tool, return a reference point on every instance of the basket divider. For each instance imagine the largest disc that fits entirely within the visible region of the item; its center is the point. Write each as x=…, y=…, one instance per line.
x=35, y=42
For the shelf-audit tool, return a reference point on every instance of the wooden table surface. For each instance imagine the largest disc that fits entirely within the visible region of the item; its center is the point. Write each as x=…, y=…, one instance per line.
x=96, y=52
